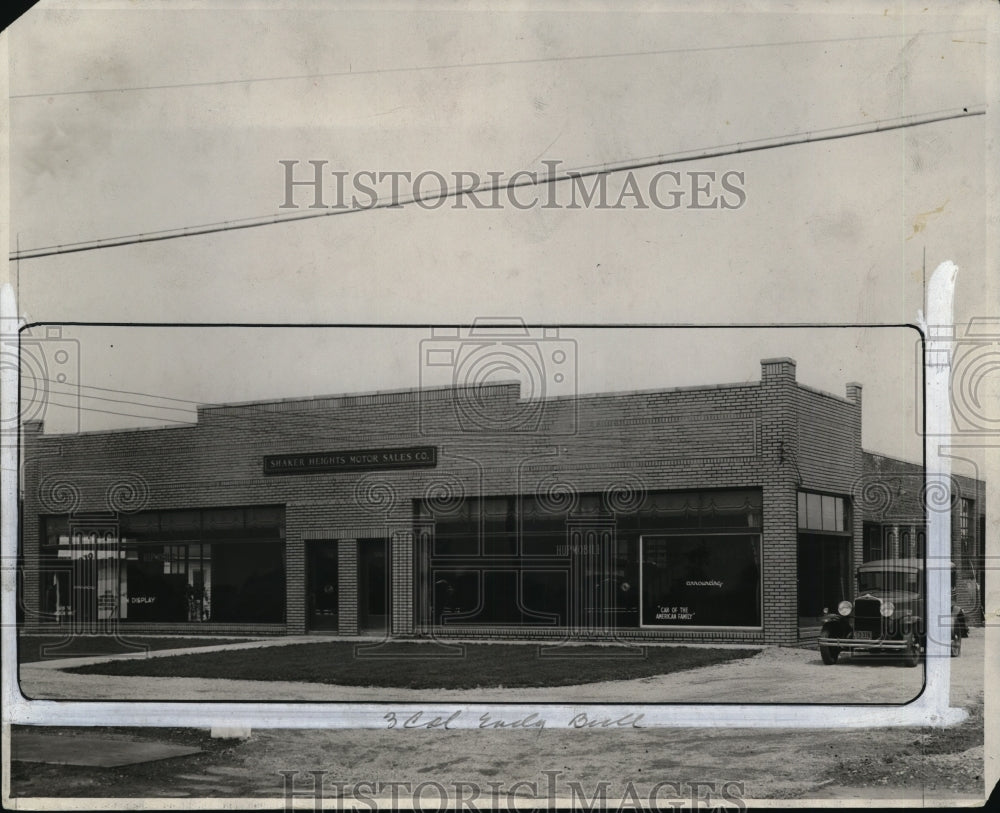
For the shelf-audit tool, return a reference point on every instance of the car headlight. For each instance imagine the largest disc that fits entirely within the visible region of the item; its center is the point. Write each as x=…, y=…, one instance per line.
x=844, y=608
x=887, y=608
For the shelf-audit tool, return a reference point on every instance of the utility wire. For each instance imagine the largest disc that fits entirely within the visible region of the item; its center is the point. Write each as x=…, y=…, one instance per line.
x=813, y=136
x=580, y=171
x=119, y=392
x=492, y=64
x=76, y=407
x=50, y=391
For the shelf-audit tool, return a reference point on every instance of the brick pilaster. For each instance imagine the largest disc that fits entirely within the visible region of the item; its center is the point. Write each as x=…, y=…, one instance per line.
x=347, y=586
x=296, y=581
x=401, y=579
x=778, y=453
x=858, y=469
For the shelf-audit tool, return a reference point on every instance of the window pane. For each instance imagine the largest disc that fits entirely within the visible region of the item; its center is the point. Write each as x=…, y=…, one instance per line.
x=589, y=504
x=187, y=521
x=544, y=597
x=264, y=517
x=802, y=510
x=495, y=508
x=141, y=524
x=456, y=545
x=222, y=519
x=546, y=544
x=151, y=589
x=248, y=582
x=55, y=527
x=829, y=514
x=840, y=514
x=814, y=511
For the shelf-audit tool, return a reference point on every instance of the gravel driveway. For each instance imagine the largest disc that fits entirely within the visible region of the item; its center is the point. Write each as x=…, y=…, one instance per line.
x=918, y=764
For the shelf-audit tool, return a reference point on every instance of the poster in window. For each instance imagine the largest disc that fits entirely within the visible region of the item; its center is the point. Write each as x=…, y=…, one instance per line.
x=701, y=581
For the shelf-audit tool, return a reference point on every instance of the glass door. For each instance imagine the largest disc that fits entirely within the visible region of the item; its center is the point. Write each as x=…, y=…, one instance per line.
x=373, y=585
x=322, y=587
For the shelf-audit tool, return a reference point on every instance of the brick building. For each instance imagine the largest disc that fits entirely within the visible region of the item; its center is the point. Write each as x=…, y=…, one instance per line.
x=895, y=499
x=734, y=512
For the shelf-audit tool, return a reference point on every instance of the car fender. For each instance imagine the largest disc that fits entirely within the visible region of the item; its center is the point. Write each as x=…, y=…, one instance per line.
x=836, y=626
x=911, y=622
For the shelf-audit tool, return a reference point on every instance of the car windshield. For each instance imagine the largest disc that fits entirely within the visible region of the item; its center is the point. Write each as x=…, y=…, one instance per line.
x=883, y=581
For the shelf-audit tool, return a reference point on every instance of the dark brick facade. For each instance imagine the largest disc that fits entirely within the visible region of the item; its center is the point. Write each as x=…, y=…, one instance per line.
x=776, y=435
x=896, y=497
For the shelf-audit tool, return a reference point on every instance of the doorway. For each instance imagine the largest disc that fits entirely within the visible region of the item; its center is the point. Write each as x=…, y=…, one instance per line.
x=373, y=586
x=323, y=611
x=824, y=578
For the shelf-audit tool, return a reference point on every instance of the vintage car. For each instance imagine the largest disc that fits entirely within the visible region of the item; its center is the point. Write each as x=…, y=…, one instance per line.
x=887, y=615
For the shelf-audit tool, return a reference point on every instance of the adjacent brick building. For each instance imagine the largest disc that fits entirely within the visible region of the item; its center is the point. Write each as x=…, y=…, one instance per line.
x=734, y=512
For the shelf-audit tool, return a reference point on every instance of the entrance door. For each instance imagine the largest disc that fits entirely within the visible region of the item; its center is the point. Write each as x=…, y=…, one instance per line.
x=322, y=590
x=823, y=577
x=373, y=585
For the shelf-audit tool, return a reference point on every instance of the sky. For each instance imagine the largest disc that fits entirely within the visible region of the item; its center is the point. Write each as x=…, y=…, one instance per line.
x=133, y=118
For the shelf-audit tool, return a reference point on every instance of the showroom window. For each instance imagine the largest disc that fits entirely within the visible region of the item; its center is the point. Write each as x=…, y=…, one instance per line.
x=167, y=566
x=572, y=557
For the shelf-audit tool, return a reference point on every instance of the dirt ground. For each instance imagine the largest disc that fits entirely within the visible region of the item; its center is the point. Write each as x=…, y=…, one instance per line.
x=923, y=765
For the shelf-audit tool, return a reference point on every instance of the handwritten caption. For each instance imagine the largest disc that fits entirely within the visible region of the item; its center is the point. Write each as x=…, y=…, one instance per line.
x=489, y=720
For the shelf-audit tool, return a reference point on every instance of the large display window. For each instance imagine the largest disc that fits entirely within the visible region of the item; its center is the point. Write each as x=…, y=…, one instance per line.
x=701, y=581
x=573, y=559
x=223, y=565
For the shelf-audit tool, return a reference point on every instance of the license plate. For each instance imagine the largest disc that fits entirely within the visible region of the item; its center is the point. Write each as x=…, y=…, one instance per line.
x=863, y=635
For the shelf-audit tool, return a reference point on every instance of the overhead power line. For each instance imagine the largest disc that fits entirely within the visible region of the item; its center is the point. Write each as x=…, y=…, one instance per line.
x=490, y=64
x=116, y=391
x=70, y=393
x=533, y=179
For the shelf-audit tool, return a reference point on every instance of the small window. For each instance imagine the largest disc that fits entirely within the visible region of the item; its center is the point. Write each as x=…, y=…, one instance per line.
x=872, y=543
x=821, y=512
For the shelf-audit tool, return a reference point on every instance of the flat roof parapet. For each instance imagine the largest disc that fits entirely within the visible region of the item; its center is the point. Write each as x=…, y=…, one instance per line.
x=506, y=389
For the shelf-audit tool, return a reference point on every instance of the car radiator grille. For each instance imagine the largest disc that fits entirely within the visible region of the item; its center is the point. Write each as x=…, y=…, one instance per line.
x=867, y=616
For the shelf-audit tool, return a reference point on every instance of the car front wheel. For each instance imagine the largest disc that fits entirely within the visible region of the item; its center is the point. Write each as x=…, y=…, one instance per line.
x=829, y=654
x=911, y=655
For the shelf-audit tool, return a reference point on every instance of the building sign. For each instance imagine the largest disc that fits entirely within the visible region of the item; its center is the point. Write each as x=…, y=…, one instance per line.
x=701, y=581
x=411, y=457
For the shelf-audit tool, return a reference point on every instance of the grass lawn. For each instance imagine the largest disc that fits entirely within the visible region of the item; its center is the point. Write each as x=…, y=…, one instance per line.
x=33, y=648
x=426, y=665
